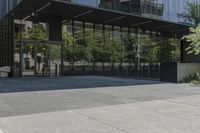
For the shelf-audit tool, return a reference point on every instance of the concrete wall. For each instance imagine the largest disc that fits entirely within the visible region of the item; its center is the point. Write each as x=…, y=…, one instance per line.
x=4, y=72
x=186, y=69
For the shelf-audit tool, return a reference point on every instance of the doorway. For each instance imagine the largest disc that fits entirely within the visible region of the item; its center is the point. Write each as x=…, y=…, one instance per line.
x=37, y=58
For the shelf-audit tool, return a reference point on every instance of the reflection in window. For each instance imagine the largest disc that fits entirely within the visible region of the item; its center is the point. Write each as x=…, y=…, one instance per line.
x=152, y=8
x=107, y=4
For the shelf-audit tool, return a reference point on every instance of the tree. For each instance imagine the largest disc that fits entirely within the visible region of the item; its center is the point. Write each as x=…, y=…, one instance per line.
x=36, y=32
x=191, y=13
x=194, y=39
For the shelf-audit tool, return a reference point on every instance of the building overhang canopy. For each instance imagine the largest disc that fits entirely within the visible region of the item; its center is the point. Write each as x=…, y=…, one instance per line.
x=47, y=10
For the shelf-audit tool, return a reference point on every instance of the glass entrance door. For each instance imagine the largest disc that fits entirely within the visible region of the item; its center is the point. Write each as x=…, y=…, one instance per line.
x=37, y=58
x=42, y=60
x=28, y=59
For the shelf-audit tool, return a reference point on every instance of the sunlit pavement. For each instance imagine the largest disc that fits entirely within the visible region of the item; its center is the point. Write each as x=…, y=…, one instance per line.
x=93, y=104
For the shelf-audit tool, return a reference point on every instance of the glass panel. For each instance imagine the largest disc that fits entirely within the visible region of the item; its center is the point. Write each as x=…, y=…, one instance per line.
x=88, y=2
x=132, y=53
x=107, y=4
x=154, y=58
x=79, y=47
x=108, y=49
x=69, y=42
x=152, y=9
x=143, y=54
x=125, y=6
x=135, y=7
x=98, y=50
x=169, y=10
x=6, y=6
x=117, y=52
x=28, y=59
x=89, y=43
x=125, y=52
x=54, y=60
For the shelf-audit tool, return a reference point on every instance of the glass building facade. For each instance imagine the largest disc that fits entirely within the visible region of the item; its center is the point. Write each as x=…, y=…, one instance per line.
x=6, y=31
x=7, y=5
x=117, y=51
x=98, y=49
x=168, y=10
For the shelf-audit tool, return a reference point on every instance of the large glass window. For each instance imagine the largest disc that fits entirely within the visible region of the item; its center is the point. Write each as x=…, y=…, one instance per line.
x=6, y=6
x=153, y=9
x=113, y=50
x=182, y=11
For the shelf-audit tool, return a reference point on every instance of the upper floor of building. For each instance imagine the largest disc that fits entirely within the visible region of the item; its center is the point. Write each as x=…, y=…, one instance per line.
x=7, y=5
x=179, y=11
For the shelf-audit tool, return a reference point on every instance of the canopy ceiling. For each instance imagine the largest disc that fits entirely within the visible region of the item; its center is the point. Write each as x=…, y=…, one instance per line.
x=47, y=10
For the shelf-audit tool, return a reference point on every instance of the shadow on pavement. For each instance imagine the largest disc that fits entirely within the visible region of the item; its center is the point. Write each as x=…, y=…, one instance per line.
x=61, y=83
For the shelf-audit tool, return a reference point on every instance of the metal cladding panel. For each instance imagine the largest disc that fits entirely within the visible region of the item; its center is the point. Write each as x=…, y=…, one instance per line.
x=6, y=6
x=55, y=30
x=168, y=72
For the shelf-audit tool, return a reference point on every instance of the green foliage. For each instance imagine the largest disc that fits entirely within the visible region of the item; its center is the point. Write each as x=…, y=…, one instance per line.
x=194, y=39
x=37, y=31
x=74, y=53
x=195, y=79
x=161, y=49
x=74, y=50
x=191, y=13
x=54, y=52
x=96, y=48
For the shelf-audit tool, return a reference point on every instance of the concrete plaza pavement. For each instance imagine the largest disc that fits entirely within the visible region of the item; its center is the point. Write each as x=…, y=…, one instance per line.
x=92, y=104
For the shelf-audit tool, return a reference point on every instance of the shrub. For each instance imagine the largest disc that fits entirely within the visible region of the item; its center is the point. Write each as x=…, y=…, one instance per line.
x=195, y=79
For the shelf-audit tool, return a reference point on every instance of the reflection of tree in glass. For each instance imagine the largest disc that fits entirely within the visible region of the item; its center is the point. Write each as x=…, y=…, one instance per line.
x=192, y=13
x=36, y=32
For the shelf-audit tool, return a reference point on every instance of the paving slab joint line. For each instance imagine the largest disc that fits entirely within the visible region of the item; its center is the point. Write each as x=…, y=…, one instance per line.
x=13, y=108
x=194, y=106
x=179, y=102
x=104, y=123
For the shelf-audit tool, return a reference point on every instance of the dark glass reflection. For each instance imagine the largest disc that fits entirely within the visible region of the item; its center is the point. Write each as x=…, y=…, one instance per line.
x=117, y=51
x=179, y=11
x=152, y=8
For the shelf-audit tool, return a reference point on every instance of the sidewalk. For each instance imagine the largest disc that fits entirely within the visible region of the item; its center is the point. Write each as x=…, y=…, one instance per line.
x=176, y=115
x=92, y=104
